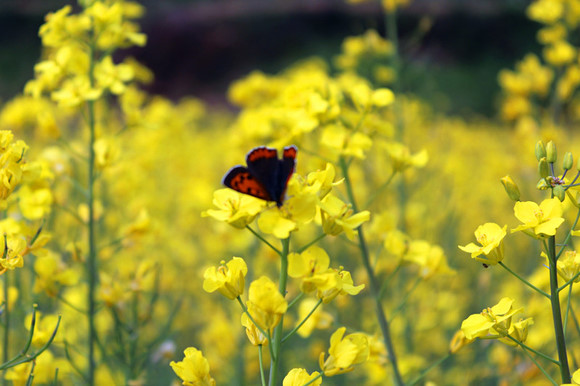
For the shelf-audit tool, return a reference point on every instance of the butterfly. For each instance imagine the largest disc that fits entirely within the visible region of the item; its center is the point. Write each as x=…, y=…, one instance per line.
x=266, y=176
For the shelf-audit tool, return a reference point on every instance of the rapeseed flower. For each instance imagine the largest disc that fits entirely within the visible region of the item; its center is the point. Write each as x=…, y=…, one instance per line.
x=490, y=236
x=265, y=303
x=300, y=377
x=228, y=279
x=193, y=369
x=234, y=208
x=539, y=220
x=344, y=352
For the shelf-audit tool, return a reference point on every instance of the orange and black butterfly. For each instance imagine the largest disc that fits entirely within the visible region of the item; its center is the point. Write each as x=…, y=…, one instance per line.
x=266, y=176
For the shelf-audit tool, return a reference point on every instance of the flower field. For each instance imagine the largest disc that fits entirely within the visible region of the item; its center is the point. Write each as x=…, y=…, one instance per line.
x=327, y=226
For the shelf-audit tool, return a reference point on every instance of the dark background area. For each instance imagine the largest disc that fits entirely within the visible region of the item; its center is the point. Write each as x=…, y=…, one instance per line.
x=199, y=47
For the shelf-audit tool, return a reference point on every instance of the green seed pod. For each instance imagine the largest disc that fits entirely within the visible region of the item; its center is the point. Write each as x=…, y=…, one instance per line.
x=542, y=184
x=540, y=150
x=560, y=192
x=511, y=188
x=568, y=161
x=543, y=168
x=551, y=154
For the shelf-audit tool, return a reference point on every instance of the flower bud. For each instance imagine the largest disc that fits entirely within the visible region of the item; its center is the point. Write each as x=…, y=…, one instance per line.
x=551, y=154
x=511, y=188
x=568, y=161
x=540, y=150
x=542, y=184
x=543, y=168
x=560, y=192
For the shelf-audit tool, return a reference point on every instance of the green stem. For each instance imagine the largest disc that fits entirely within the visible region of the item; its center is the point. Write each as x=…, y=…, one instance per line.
x=92, y=266
x=556, y=312
x=538, y=353
x=259, y=236
x=6, y=311
x=569, y=282
x=387, y=281
x=302, y=322
x=262, y=376
x=568, y=236
x=525, y=281
x=378, y=190
x=424, y=372
x=245, y=309
x=277, y=339
x=406, y=297
x=374, y=287
x=568, y=305
x=525, y=348
x=296, y=299
x=313, y=379
x=317, y=239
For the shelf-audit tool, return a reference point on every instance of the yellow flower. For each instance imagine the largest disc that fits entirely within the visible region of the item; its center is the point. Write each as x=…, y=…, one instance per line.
x=194, y=369
x=568, y=266
x=430, y=258
x=228, y=278
x=490, y=236
x=234, y=208
x=51, y=273
x=560, y=53
x=265, y=303
x=539, y=220
x=402, y=159
x=344, y=285
x=254, y=335
x=492, y=322
x=338, y=216
x=344, y=353
x=300, y=377
x=277, y=223
x=35, y=203
x=546, y=11
x=518, y=330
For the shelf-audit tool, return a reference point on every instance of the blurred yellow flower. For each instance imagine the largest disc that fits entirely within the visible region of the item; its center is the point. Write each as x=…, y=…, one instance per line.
x=539, y=220
x=344, y=352
x=228, y=279
x=194, y=369
x=490, y=236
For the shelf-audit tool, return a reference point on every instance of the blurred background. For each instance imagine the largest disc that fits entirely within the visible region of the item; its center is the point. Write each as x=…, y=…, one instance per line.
x=452, y=49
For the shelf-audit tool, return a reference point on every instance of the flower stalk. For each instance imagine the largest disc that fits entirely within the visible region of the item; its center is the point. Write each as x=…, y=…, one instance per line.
x=373, y=284
x=276, y=341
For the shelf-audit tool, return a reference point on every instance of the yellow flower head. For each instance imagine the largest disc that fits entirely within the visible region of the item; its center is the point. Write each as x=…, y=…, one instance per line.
x=494, y=322
x=254, y=335
x=569, y=266
x=299, y=377
x=318, y=319
x=265, y=303
x=344, y=352
x=539, y=220
x=337, y=216
x=234, y=208
x=228, y=278
x=490, y=236
x=194, y=369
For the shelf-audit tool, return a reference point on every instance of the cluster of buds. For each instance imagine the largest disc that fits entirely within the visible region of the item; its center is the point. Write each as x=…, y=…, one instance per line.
x=547, y=157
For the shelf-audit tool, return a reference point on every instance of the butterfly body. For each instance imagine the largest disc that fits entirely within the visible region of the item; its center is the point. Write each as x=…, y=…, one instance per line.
x=266, y=176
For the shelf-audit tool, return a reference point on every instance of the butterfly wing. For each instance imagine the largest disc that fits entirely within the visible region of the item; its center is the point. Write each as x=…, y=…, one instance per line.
x=242, y=180
x=286, y=169
x=263, y=164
